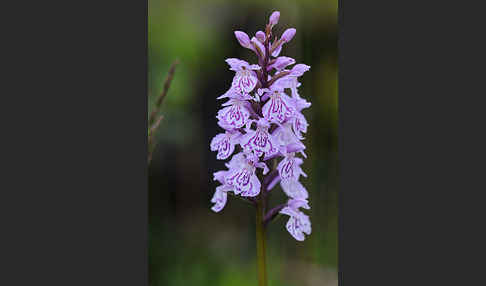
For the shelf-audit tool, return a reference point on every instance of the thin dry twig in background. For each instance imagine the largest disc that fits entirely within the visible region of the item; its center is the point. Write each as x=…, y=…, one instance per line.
x=154, y=121
x=162, y=96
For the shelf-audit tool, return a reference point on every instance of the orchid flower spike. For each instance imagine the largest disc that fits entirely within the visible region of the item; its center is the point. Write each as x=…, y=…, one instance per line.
x=263, y=126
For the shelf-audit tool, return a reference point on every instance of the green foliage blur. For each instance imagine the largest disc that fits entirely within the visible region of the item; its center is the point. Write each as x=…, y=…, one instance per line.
x=188, y=243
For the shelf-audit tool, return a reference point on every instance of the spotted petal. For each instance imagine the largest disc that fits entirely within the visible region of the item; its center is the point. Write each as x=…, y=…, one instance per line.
x=254, y=189
x=244, y=181
x=224, y=143
x=298, y=225
x=244, y=81
x=260, y=142
x=289, y=168
x=299, y=125
x=234, y=116
x=278, y=108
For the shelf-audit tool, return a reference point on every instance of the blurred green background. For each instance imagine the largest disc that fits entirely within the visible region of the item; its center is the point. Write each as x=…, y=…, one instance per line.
x=188, y=243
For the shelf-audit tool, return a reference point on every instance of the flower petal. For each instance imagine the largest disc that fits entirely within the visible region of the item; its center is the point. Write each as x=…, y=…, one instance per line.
x=254, y=188
x=260, y=142
x=299, y=125
x=244, y=81
x=238, y=161
x=216, y=141
x=260, y=36
x=274, y=18
x=277, y=50
x=294, y=189
x=293, y=228
x=243, y=181
x=298, y=223
x=259, y=44
x=219, y=176
x=243, y=39
x=299, y=70
x=279, y=108
x=295, y=204
x=219, y=198
x=233, y=116
x=236, y=64
x=288, y=34
x=281, y=63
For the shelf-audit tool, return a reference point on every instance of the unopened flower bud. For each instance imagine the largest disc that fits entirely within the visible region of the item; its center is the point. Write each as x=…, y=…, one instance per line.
x=274, y=18
x=288, y=34
x=243, y=39
x=282, y=62
x=260, y=36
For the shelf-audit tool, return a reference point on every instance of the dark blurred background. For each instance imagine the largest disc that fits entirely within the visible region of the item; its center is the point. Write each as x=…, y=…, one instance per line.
x=188, y=243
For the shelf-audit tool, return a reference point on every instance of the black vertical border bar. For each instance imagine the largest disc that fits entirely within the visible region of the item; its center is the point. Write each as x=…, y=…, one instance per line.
x=79, y=209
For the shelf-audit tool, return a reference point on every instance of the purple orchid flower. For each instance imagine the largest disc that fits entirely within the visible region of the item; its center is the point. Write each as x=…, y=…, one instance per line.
x=288, y=141
x=289, y=168
x=219, y=198
x=298, y=223
x=274, y=18
x=235, y=115
x=279, y=107
x=242, y=176
x=260, y=141
x=289, y=172
x=225, y=143
x=245, y=78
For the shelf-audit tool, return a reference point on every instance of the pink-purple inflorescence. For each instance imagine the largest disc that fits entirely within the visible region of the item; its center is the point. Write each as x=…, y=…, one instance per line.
x=262, y=121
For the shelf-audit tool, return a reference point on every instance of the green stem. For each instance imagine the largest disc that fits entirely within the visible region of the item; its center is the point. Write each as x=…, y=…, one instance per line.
x=260, y=241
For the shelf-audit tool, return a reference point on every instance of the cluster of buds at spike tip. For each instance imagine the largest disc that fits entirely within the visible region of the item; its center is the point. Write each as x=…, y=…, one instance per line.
x=263, y=126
